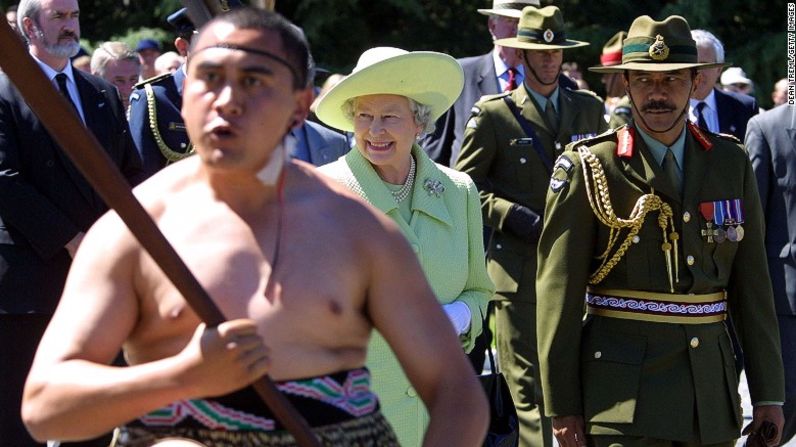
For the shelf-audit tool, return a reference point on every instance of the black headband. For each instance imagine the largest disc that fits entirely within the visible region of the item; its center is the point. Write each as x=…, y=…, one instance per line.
x=297, y=80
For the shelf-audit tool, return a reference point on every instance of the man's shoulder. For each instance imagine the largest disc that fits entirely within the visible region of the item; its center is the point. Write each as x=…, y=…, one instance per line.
x=583, y=96
x=471, y=61
x=326, y=134
x=739, y=99
x=161, y=80
x=603, y=142
x=780, y=117
x=487, y=102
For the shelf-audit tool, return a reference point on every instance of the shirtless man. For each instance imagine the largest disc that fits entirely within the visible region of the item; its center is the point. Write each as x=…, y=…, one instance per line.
x=302, y=270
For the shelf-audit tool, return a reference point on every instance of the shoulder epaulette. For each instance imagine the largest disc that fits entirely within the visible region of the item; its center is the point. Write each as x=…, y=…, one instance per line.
x=605, y=136
x=493, y=97
x=152, y=80
x=730, y=137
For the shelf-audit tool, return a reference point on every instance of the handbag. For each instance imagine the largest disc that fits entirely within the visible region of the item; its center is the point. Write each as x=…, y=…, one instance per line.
x=504, y=427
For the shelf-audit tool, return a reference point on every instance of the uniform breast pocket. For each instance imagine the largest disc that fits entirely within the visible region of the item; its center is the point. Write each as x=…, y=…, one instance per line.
x=718, y=252
x=611, y=376
x=523, y=157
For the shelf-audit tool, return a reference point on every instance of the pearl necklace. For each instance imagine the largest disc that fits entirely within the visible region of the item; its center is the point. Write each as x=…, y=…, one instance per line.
x=406, y=188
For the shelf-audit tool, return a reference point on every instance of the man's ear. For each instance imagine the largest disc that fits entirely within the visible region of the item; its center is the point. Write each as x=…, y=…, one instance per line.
x=28, y=28
x=304, y=98
x=182, y=45
x=697, y=81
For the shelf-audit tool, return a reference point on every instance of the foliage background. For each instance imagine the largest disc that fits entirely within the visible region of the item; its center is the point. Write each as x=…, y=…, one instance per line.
x=753, y=31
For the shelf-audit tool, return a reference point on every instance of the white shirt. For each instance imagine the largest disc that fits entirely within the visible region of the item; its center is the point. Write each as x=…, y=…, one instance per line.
x=709, y=112
x=502, y=72
x=71, y=86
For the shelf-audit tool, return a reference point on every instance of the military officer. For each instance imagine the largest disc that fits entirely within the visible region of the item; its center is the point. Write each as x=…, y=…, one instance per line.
x=658, y=227
x=155, y=121
x=509, y=146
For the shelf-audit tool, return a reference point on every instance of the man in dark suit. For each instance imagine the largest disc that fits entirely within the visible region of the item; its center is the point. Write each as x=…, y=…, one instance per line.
x=45, y=203
x=161, y=137
x=711, y=108
x=771, y=143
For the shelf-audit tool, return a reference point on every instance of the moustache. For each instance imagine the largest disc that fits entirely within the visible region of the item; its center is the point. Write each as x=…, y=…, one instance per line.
x=68, y=35
x=658, y=105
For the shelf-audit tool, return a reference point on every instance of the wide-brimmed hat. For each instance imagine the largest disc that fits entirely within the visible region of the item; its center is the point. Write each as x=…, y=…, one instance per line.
x=508, y=8
x=734, y=75
x=540, y=29
x=430, y=78
x=612, y=50
x=658, y=46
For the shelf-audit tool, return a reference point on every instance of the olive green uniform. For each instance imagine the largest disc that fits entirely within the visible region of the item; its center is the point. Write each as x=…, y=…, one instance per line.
x=621, y=114
x=633, y=377
x=507, y=170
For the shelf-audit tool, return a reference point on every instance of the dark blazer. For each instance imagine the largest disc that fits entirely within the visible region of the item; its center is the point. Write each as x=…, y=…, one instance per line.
x=44, y=200
x=322, y=144
x=734, y=109
x=167, y=90
x=444, y=144
x=771, y=143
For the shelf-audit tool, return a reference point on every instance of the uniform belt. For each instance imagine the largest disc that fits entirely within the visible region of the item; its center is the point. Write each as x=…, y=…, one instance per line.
x=657, y=307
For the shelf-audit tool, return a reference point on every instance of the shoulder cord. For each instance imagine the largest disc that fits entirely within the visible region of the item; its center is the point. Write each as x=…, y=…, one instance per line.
x=600, y=202
x=170, y=155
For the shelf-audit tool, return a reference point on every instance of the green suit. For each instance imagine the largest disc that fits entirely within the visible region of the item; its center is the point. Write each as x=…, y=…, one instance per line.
x=661, y=380
x=508, y=172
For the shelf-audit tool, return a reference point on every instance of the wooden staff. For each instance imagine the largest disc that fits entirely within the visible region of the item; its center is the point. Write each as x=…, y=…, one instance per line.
x=82, y=147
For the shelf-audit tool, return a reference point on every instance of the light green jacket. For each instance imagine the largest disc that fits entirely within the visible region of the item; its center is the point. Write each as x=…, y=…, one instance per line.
x=446, y=234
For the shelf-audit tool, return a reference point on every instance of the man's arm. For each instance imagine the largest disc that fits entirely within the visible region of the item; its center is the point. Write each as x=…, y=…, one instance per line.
x=403, y=308
x=760, y=153
x=71, y=392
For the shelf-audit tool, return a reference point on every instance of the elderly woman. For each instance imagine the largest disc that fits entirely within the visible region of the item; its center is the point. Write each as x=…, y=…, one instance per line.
x=390, y=99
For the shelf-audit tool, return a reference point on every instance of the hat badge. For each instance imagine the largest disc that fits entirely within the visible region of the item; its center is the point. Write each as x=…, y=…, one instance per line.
x=548, y=35
x=659, y=51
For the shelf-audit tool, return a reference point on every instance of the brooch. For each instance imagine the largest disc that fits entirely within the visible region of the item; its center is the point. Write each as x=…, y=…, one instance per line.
x=433, y=187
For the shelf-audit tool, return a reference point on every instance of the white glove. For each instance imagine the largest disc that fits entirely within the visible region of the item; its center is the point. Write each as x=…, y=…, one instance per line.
x=460, y=316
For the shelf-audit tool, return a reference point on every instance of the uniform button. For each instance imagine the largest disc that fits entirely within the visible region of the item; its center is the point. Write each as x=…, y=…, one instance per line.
x=416, y=248
x=523, y=160
x=49, y=163
x=636, y=239
x=597, y=354
x=686, y=217
x=498, y=246
x=411, y=392
x=694, y=342
x=689, y=259
x=183, y=145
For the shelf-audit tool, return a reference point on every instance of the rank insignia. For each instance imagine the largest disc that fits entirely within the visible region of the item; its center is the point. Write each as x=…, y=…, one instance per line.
x=624, y=146
x=472, y=123
x=561, y=173
x=659, y=51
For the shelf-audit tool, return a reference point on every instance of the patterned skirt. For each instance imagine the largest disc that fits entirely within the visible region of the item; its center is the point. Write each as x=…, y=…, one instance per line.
x=340, y=408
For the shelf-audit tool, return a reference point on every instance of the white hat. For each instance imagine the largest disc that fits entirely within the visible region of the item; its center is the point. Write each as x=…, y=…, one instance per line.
x=735, y=75
x=508, y=8
x=430, y=78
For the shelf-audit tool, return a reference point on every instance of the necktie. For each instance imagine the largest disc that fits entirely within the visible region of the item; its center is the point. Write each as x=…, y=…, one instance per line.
x=700, y=117
x=550, y=114
x=670, y=168
x=60, y=78
x=512, y=83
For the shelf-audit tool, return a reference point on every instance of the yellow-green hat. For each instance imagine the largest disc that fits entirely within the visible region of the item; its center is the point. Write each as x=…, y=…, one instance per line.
x=540, y=29
x=430, y=78
x=657, y=46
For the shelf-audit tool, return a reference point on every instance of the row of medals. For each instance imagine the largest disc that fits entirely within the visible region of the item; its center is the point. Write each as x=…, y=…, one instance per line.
x=733, y=232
